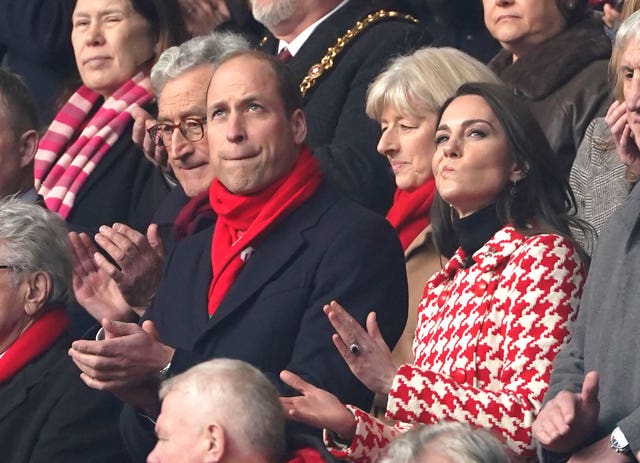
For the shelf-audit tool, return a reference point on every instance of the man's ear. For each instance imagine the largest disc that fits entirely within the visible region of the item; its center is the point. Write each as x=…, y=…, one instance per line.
x=38, y=287
x=28, y=147
x=216, y=443
x=298, y=126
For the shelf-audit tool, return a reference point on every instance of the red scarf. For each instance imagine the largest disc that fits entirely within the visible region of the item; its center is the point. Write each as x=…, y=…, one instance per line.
x=409, y=214
x=244, y=219
x=63, y=163
x=190, y=215
x=33, y=342
x=306, y=455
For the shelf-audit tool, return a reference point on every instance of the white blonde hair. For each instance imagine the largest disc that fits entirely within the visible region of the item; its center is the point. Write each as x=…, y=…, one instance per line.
x=421, y=82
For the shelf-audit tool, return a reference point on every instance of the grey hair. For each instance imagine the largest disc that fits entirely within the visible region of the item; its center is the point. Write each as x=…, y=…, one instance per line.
x=628, y=32
x=241, y=398
x=421, y=82
x=459, y=442
x=34, y=238
x=205, y=49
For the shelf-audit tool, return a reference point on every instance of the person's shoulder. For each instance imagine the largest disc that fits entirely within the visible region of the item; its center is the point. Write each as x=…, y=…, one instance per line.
x=548, y=245
x=360, y=22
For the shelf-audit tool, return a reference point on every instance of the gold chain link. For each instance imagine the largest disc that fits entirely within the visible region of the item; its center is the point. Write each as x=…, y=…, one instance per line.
x=326, y=62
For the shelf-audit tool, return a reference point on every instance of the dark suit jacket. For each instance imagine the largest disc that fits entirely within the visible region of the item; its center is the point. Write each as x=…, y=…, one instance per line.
x=124, y=187
x=48, y=415
x=329, y=248
x=343, y=138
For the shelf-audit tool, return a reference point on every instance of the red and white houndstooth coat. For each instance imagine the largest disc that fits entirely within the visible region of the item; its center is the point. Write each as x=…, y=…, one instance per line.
x=485, y=340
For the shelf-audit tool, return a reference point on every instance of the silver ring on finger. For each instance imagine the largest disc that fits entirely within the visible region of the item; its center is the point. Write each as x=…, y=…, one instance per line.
x=354, y=348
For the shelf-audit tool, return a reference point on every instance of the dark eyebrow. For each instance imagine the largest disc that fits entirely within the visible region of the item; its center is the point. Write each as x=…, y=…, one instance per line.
x=467, y=123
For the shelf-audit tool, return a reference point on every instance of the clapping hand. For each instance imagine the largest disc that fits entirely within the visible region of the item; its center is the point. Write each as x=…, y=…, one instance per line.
x=569, y=418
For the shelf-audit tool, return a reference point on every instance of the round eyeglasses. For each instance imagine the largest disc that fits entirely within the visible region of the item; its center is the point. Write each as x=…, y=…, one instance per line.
x=191, y=128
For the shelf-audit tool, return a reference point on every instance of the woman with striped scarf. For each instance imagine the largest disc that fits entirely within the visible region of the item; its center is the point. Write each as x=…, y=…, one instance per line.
x=87, y=167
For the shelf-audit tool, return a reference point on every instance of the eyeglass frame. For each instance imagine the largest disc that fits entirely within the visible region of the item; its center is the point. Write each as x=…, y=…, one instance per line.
x=201, y=121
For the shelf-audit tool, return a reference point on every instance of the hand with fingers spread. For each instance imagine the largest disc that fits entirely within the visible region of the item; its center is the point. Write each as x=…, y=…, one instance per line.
x=317, y=407
x=155, y=153
x=139, y=258
x=623, y=137
x=93, y=288
x=569, y=418
x=127, y=362
x=366, y=352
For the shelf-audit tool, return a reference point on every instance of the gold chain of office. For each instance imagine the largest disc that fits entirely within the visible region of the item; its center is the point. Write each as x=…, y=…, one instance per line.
x=326, y=62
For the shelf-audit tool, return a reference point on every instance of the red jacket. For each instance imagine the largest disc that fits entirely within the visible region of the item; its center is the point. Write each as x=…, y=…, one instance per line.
x=485, y=340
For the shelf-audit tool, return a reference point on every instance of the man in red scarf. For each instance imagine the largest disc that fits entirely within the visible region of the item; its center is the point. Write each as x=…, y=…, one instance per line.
x=252, y=287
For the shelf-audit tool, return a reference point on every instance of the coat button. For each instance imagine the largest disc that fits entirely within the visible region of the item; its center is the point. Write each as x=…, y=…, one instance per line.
x=480, y=288
x=459, y=375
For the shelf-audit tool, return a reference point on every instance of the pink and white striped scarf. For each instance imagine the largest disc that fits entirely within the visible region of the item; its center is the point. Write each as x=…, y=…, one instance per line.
x=61, y=167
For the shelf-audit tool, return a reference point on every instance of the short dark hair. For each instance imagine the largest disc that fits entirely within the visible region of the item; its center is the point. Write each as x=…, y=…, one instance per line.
x=166, y=21
x=542, y=199
x=288, y=88
x=17, y=103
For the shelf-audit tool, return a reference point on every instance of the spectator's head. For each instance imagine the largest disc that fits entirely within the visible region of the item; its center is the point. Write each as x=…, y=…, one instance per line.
x=18, y=135
x=405, y=99
x=276, y=14
x=181, y=77
x=113, y=40
x=448, y=442
x=255, y=123
x=521, y=25
x=35, y=265
x=625, y=61
x=490, y=149
x=221, y=411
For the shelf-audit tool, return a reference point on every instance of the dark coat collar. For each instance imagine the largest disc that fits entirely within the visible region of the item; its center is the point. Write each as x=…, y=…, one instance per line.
x=555, y=61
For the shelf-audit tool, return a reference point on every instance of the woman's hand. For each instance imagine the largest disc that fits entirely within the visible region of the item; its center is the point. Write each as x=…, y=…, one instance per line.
x=317, y=407
x=616, y=119
x=366, y=352
x=142, y=121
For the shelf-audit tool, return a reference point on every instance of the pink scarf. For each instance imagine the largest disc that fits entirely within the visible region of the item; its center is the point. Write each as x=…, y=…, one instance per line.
x=62, y=165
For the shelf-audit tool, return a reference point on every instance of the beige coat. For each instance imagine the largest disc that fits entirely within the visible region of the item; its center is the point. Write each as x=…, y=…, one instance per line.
x=422, y=261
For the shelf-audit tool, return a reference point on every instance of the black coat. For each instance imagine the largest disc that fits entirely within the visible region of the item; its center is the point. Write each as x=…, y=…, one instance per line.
x=48, y=415
x=124, y=187
x=329, y=248
x=343, y=138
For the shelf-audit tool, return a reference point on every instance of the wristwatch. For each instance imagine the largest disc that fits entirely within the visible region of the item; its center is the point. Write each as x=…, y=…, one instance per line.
x=619, y=442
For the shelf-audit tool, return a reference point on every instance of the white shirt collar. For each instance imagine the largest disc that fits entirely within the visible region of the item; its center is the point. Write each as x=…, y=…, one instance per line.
x=302, y=37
